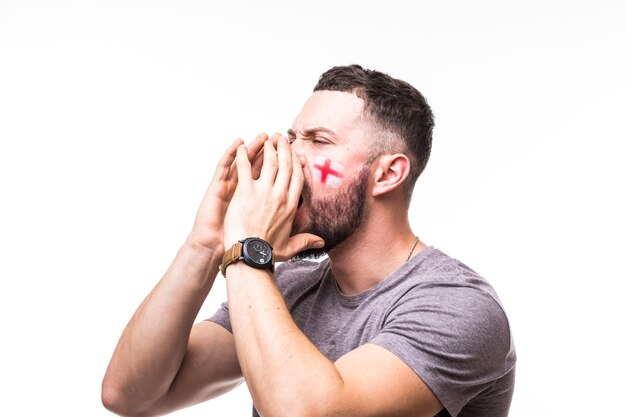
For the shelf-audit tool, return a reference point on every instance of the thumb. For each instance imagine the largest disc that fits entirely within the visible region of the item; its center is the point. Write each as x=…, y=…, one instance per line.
x=298, y=243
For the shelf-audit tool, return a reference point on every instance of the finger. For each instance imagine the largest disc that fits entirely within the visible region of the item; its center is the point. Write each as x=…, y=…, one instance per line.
x=255, y=154
x=255, y=147
x=297, y=181
x=224, y=165
x=243, y=165
x=270, y=163
x=257, y=164
x=298, y=243
x=285, y=165
x=275, y=138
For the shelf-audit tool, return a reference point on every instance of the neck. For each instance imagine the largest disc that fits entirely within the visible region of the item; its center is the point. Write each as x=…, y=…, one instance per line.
x=372, y=253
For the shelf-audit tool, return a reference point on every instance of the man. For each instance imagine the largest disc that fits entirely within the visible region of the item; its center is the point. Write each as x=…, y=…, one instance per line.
x=385, y=326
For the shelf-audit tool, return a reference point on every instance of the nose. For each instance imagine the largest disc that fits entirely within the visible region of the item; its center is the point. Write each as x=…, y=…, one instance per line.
x=299, y=148
x=296, y=145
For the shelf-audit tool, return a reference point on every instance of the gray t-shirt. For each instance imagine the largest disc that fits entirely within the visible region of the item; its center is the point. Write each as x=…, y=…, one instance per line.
x=436, y=314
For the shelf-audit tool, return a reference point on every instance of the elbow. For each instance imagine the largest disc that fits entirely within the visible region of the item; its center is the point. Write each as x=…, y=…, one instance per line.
x=110, y=400
x=117, y=401
x=114, y=401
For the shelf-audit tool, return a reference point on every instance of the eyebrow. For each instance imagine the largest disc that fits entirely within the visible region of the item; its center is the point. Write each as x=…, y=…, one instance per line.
x=312, y=131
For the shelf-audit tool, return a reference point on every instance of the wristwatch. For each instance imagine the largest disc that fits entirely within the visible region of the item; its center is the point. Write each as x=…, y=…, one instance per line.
x=253, y=251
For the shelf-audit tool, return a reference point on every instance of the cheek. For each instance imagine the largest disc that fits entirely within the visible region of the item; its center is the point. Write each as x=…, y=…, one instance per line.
x=326, y=172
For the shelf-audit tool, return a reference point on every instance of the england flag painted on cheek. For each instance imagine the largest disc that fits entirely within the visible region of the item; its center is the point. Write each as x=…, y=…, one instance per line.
x=327, y=172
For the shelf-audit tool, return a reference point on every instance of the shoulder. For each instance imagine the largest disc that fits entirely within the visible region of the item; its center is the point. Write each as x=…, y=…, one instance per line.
x=447, y=305
x=436, y=274
x=449, y=327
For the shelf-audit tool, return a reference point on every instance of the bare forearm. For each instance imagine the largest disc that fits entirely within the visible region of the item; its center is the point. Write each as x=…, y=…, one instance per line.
x=152, y=346
x=282, y=367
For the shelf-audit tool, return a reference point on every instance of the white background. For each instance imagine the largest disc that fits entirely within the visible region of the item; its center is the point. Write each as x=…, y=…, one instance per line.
x=113, y=115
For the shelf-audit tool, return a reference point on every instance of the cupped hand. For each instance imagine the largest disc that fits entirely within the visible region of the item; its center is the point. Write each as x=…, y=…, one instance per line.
x=265, y=207
x=208, y=229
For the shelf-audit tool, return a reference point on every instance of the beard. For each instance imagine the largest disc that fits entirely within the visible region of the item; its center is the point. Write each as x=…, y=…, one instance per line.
x=334, y=218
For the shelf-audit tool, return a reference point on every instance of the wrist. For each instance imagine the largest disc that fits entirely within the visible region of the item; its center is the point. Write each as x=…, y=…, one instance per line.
x=231, y=239
x=205, y=243
x=194, y=267
x=201, y=256
x=252, y=251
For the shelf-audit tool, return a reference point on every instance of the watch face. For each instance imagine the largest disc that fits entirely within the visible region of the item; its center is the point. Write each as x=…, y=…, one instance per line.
x=257, y=251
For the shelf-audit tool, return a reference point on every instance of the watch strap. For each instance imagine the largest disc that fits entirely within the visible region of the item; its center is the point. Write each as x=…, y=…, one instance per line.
x=233, y=254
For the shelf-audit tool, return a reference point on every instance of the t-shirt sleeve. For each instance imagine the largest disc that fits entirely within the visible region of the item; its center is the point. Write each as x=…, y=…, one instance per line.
x=221, y=317
x=455, y=338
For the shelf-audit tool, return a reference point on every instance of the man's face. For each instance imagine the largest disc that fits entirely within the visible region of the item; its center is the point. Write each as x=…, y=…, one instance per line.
x=329, y=134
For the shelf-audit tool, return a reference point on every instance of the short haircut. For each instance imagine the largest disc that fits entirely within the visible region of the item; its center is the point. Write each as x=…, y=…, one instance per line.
x=394, y=107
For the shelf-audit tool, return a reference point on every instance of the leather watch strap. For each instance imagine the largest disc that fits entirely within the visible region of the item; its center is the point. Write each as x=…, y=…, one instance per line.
x=233, y=254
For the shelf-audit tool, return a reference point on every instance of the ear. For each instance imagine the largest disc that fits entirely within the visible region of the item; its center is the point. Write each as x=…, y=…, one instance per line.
x=390, y=173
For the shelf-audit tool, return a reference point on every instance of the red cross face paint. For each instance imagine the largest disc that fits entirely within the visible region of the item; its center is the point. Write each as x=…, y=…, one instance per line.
x=327, y=172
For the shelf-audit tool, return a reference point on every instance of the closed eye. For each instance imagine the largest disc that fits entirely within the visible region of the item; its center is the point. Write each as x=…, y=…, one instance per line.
x=316, y=135
x=320, y=140
x=315, y=140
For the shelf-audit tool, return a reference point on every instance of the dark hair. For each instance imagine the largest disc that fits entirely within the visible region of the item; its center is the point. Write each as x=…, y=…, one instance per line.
x=395, y=107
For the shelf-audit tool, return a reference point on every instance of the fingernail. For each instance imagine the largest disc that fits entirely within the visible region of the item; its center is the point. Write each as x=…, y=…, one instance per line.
x=319, y=244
